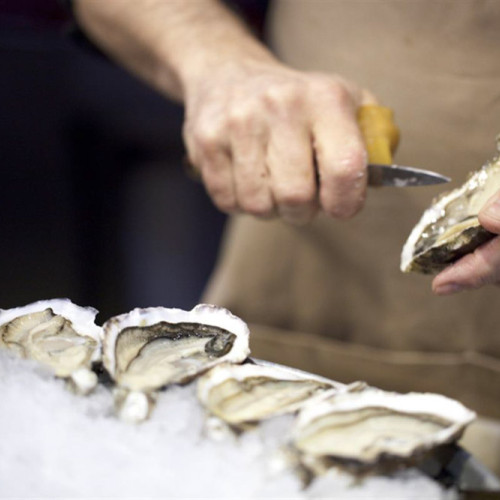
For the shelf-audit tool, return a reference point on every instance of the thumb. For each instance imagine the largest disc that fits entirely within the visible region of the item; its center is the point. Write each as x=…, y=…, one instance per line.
x=489, y=215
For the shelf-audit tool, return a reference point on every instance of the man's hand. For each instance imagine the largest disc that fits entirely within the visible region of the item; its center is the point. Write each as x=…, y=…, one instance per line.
x=482, y=267
x=270, y=141
x=267, y=140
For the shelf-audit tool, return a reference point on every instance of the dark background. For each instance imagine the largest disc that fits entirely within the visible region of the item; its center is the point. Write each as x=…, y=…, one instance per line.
x=95, y=203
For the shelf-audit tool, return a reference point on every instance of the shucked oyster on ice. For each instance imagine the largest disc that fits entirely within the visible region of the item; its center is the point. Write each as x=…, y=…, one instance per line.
x=450, y=228
x=58, y=334
x=367, y=428
x=148, y=349
x=243, y=394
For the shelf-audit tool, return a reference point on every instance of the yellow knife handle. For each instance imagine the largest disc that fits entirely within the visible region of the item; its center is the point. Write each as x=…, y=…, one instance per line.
x=379, y=132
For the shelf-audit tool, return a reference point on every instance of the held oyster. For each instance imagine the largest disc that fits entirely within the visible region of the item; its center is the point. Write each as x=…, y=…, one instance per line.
x=365, y=429
x=148, y=349
x=450, y=228
x=243, y=394
x=58, y=334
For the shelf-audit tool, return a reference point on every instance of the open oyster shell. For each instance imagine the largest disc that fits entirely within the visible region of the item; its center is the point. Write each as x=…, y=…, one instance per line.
x=58, y=334
x=367, y=428
x=450, y=228
x=243, y=394
x=148, y=349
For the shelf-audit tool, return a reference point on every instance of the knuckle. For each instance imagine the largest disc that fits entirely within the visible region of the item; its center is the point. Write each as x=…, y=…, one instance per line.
x=208, y=144
x=348, y=171
x=483, y=264
x=341, y=94
x=219, y=190
x=256, y=203
x=480, y=280
x=241, y=117
x=207, y=138
x=294, y=196
x=258, y=208
x=343, y=211
x=472, y=270
x=349, y=175
x=283, y=95
x=333, y=91
x=341, y=206
x=343, y=195
x=223, y=199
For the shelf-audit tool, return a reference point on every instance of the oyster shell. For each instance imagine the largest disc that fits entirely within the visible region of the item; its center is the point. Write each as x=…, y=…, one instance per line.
x=148, y=349
x=58, y=334
x=367, y=428
x=243, y=394
x=450, y=228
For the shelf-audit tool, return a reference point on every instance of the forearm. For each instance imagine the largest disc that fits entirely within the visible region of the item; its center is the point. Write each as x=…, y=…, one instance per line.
x=171, y=44
x=261, y=134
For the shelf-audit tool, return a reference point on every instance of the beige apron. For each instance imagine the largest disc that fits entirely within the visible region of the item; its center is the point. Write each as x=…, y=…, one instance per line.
x=329, y=297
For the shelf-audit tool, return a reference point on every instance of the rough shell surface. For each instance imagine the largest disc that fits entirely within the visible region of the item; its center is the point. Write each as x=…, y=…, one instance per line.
x=58, y=334
x=370, y=426
x=450, y=228
x=147, y=349
x=249, y=393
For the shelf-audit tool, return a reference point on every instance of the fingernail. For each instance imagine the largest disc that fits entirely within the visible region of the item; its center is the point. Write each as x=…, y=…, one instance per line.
x=448, y=289
x=492, y=209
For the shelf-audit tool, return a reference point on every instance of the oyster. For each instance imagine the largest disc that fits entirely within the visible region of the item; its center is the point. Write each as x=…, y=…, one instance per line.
x=147, y=349
x=450, y=228
x=371, y=427
x=58, y=334
x=243, y=394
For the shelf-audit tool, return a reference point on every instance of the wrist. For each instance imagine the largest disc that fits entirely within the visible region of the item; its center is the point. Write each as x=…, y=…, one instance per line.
x=223, y=69
x=212, y=49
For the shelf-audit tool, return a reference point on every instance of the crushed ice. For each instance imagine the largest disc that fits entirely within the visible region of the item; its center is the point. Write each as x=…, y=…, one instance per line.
x=56, y=444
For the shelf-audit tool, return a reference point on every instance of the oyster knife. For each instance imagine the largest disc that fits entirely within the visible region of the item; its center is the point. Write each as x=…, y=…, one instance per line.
x=398, y=176
x=381, y=137
x=451, y=465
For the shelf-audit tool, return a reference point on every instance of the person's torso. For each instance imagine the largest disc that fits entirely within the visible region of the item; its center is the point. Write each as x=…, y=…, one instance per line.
x=437, y=64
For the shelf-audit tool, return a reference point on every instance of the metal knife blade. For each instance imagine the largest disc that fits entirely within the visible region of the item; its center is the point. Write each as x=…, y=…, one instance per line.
x=451, y=465
x=399, y=176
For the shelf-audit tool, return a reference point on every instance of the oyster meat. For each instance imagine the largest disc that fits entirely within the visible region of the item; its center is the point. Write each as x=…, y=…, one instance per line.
x=371, y=427
x=58, y=334
x=148, y=349
x=243, y=394
x=450, y=228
